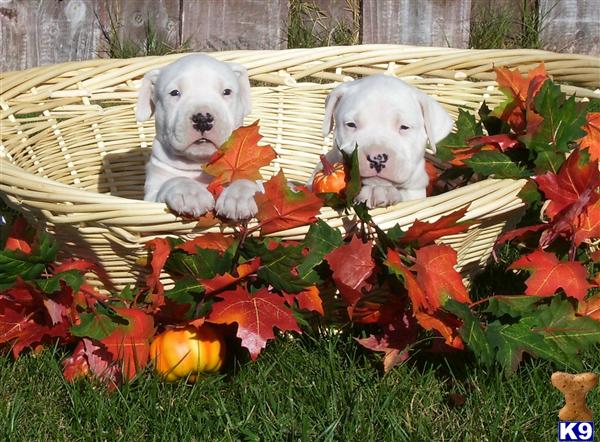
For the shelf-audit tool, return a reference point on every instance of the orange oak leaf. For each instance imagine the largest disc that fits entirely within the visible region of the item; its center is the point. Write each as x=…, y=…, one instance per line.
x=438, y=277
x=590, y=307
x=240, y=157
x=308, y=299
x=424, y=233
x=210, y=240
x=450, y=334
x=417, y=295
x=352, y=265
x=220, y=282
x=160, y=252
x=129, y=344
x=281, y=208
x=255, y=314
x=548, y=274
x=592, y=139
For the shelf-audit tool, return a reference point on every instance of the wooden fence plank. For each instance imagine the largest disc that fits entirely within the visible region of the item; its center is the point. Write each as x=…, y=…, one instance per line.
x=424, y=22
x=570, y=26
x=39, y=32
x=234, y=24
x=132, y=16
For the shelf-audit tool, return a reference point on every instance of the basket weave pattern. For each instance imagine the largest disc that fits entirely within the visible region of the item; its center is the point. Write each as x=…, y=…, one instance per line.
x=72, y=154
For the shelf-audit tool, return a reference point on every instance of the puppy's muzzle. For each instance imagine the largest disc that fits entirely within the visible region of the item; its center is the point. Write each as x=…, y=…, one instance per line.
x=377, y=162
x=203, y=122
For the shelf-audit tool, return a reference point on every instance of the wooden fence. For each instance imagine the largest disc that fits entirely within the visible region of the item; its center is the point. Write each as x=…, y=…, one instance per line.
x=38, y=32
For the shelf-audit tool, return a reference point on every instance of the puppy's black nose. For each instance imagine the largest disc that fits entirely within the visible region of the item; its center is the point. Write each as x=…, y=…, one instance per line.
x=377, y=162
x=203, y=122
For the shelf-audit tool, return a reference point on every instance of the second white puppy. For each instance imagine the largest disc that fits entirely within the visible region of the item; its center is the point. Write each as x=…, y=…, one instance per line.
x=391, y=122
x=197, y=102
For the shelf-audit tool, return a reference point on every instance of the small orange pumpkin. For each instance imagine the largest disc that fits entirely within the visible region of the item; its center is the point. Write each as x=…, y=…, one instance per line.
x=186, y=352
x=332, y=178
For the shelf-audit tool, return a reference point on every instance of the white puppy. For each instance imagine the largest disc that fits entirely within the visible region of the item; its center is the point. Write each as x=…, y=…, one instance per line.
x=197, y=102
x=391, y=123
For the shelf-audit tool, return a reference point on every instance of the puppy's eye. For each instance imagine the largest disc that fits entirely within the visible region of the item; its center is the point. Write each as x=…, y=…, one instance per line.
x=351, y=124
x=174, y=93
x=403, y=127
x=227, y=92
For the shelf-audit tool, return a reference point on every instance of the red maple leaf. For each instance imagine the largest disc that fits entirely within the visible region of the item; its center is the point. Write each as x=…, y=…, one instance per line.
x=433, y=174
x=210, y=240
x=352, y=265
x=460, y=155
x=281, y=208
x=574, y=177
x=394, y=340
x=548, y=274
x=424, y=233
x=91, y=359
x=417, y=295
x=308, y=299
x=160, y=252
x=592, y=139
x=129, y=344
x=240, y=157
x=84, y=266
x=503, y=142
x=587, y=224
x=255, y=314
x=220, y=282
x=438, y=277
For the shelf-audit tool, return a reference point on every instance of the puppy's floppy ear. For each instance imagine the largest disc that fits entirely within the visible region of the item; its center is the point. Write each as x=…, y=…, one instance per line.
x=438, y=123
x=145, y=103
x=245, y=98
x=330, y=105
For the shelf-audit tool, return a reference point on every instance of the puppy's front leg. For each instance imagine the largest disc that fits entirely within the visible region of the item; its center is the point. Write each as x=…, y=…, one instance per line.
x=185, y=195
x=237, y=200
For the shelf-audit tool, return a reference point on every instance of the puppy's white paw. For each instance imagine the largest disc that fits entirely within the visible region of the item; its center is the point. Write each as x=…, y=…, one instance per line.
x=184, y=195
x=237, y=200
x=379, y=196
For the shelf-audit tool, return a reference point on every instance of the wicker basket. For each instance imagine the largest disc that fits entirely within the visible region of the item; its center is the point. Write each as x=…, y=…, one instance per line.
x=72, y=154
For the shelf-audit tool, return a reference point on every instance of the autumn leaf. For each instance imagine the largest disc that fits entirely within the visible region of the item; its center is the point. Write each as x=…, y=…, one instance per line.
x=220, y=282
x=424, y=233
x=91, y=359
x=587, y=224
x=590, y=307
x=575, y=176
x=129, y=344
x=352, y=265
x=160, y=252
x=548, y=274
x=435, y=322
x=240, y=157
x=308, y=299
x=17, y=238
x=438, y=277
x=503, y=142
x=84, y=266
x=592, y=138
x=210, y=240
x=255, y=314
x=417, y=295
x=280, y=207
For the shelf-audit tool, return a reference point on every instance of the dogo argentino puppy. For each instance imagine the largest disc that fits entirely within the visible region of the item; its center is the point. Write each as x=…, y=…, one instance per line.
x=391, y=123
x=197, y=102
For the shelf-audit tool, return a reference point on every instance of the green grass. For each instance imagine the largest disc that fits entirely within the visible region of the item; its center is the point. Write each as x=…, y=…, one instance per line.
x=304, y=389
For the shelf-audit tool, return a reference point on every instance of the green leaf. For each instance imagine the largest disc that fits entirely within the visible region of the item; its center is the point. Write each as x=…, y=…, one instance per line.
x=548, y=161
x=277, y=265
x=471, y=331
x=466, y=127
x=93, y=325
x=28, y=267
x=354, y=184
x=73, y=278
x=495, y=163
x=530, y=193
x=320, y=240
x=512, y=340
x=563, y=120
x=514, y=306
x=204, y=264
x=186, y=291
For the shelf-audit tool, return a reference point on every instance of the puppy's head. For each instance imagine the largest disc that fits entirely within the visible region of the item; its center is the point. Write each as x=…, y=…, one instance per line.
x=390, y=122
x=197, y=102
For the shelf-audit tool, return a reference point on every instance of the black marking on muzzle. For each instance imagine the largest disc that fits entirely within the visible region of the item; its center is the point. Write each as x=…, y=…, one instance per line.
x=202, y=122
x=378, y=161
